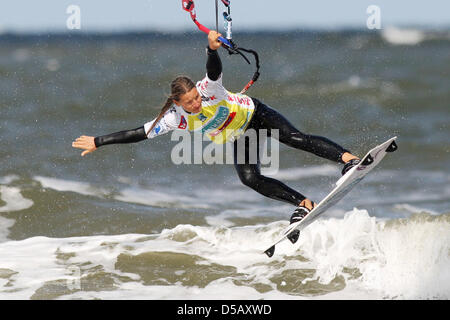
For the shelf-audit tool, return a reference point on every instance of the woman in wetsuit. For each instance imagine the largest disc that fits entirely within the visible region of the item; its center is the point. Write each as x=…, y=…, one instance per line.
x=224, y=116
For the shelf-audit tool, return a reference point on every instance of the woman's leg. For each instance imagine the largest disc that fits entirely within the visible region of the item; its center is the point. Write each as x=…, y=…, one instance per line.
x=267, y=118
x=250, y=174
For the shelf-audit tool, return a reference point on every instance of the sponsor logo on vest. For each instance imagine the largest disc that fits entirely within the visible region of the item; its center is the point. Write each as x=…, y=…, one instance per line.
x=226, y=123
x=219, y=118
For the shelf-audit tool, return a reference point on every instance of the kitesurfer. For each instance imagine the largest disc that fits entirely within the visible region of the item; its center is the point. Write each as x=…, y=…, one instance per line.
x=224, y=116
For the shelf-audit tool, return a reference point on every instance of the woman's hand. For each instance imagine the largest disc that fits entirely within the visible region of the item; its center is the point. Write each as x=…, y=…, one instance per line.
x=213, y=39
x=86, y=143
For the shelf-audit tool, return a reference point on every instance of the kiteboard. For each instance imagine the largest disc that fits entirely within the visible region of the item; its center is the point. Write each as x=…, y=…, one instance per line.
x=343, y=186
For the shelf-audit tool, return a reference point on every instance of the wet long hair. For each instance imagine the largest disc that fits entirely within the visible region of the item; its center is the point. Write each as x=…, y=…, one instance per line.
x=179, y=86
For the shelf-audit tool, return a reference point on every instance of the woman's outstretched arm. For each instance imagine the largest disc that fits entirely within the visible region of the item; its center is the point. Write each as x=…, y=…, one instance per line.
x=90, y=144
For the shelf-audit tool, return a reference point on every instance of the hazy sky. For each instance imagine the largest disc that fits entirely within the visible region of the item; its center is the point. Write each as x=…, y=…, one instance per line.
x=119, y=15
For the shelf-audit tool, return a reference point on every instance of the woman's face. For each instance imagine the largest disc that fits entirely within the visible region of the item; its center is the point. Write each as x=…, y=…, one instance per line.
x=191, y=101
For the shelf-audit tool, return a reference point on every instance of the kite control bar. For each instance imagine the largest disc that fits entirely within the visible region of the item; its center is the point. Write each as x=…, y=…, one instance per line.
x=189, y=6
x=227, y=43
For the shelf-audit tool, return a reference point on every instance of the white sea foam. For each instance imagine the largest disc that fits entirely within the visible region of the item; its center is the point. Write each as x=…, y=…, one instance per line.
x=415, y=260
x=406, y=258
x=13, y=199
x=5, y=224
x=411, y=36
x=398, y=36
x=377, y=259
x=69, y=185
